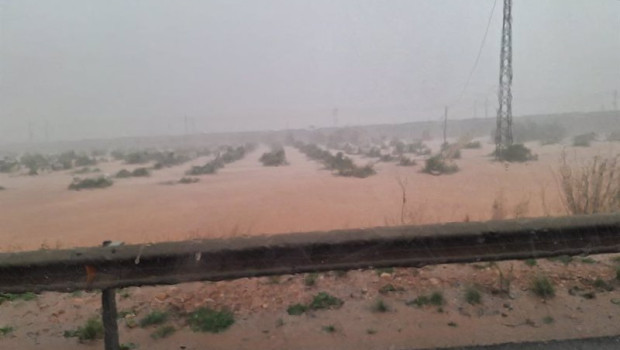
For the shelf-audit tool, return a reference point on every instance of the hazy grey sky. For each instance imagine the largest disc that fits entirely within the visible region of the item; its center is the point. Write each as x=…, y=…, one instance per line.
x=137, y=67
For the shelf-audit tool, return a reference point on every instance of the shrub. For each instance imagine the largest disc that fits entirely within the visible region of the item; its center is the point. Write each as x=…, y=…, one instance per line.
x=472, y=296
x=6, y=330
x=542, y=287
x=325, y=301
x=380, y=306
x=329, y=329
x=92, y=330
x=355, y=171
x=34, y=162
x=310, y=279
x=188, y=180
x=84, y=160
x=436, y=299
x=276, y=157
x=8, y=165
x=404, y=161
x=154, y=318
x=209, y=168
x=437, y=165
x=296, y=309
x=515, y=153
x=472, y=145
x=123, y=173
x=209, y=320
x=584, y=140
x=88, y=183
x=140, y=172
x=593, y=188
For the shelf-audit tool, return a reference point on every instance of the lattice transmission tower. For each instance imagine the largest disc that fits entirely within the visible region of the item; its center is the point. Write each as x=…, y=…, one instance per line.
x=503, y=133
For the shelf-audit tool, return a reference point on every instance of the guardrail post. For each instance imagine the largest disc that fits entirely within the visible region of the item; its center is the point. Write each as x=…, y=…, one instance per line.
x=110, y=326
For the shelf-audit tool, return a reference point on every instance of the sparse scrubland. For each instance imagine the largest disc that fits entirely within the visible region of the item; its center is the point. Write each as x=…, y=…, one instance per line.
x=224, y=156
x=340, y=164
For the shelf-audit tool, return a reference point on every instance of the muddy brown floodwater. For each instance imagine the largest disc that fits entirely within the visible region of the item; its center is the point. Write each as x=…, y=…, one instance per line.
x=245, y=198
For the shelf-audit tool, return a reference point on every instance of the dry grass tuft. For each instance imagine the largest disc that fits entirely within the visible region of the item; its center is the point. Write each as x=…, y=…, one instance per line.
x=592, y=188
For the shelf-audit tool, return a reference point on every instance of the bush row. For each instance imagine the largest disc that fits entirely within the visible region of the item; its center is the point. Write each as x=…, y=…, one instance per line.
x=343, y=165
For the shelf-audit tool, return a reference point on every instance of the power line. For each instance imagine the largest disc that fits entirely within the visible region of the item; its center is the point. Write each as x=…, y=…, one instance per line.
x=484, y=39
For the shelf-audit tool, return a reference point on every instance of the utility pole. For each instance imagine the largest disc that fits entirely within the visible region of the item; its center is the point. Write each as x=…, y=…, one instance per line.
x=335, y=116
x=486, y=108
x=503, y=132
x=445, y=126
x=30, y=132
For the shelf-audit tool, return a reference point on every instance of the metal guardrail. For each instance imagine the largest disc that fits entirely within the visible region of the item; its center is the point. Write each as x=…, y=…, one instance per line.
x=225, y=259
x=116, y=266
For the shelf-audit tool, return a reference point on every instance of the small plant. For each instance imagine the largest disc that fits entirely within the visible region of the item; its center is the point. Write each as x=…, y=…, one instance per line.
x=128, y=346
x=28, y=296
x=542, y=287
x=588, y=260
x=92, y=330
x=564, y=259
x=6, y=330
x=531, y=262
x=388, y=288
x=154, y=318
x=325, y=301
x=310, y=279
x=472, y=296
x=452, y=324
x=602, y=285
x=209, y=320
x=296, y=309
x=371, y=331
x=548, y=320
x=380, y=306
x=329, y=329
x=436, y=299
x=163, y=332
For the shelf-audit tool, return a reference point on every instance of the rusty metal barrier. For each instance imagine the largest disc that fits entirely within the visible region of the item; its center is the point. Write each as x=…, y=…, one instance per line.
x=115, y=266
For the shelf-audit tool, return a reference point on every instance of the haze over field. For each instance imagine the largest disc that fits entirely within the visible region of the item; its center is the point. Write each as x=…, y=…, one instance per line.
x=83, y=69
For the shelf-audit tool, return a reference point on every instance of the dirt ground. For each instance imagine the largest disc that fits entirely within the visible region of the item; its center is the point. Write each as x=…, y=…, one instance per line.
x=245, y=198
